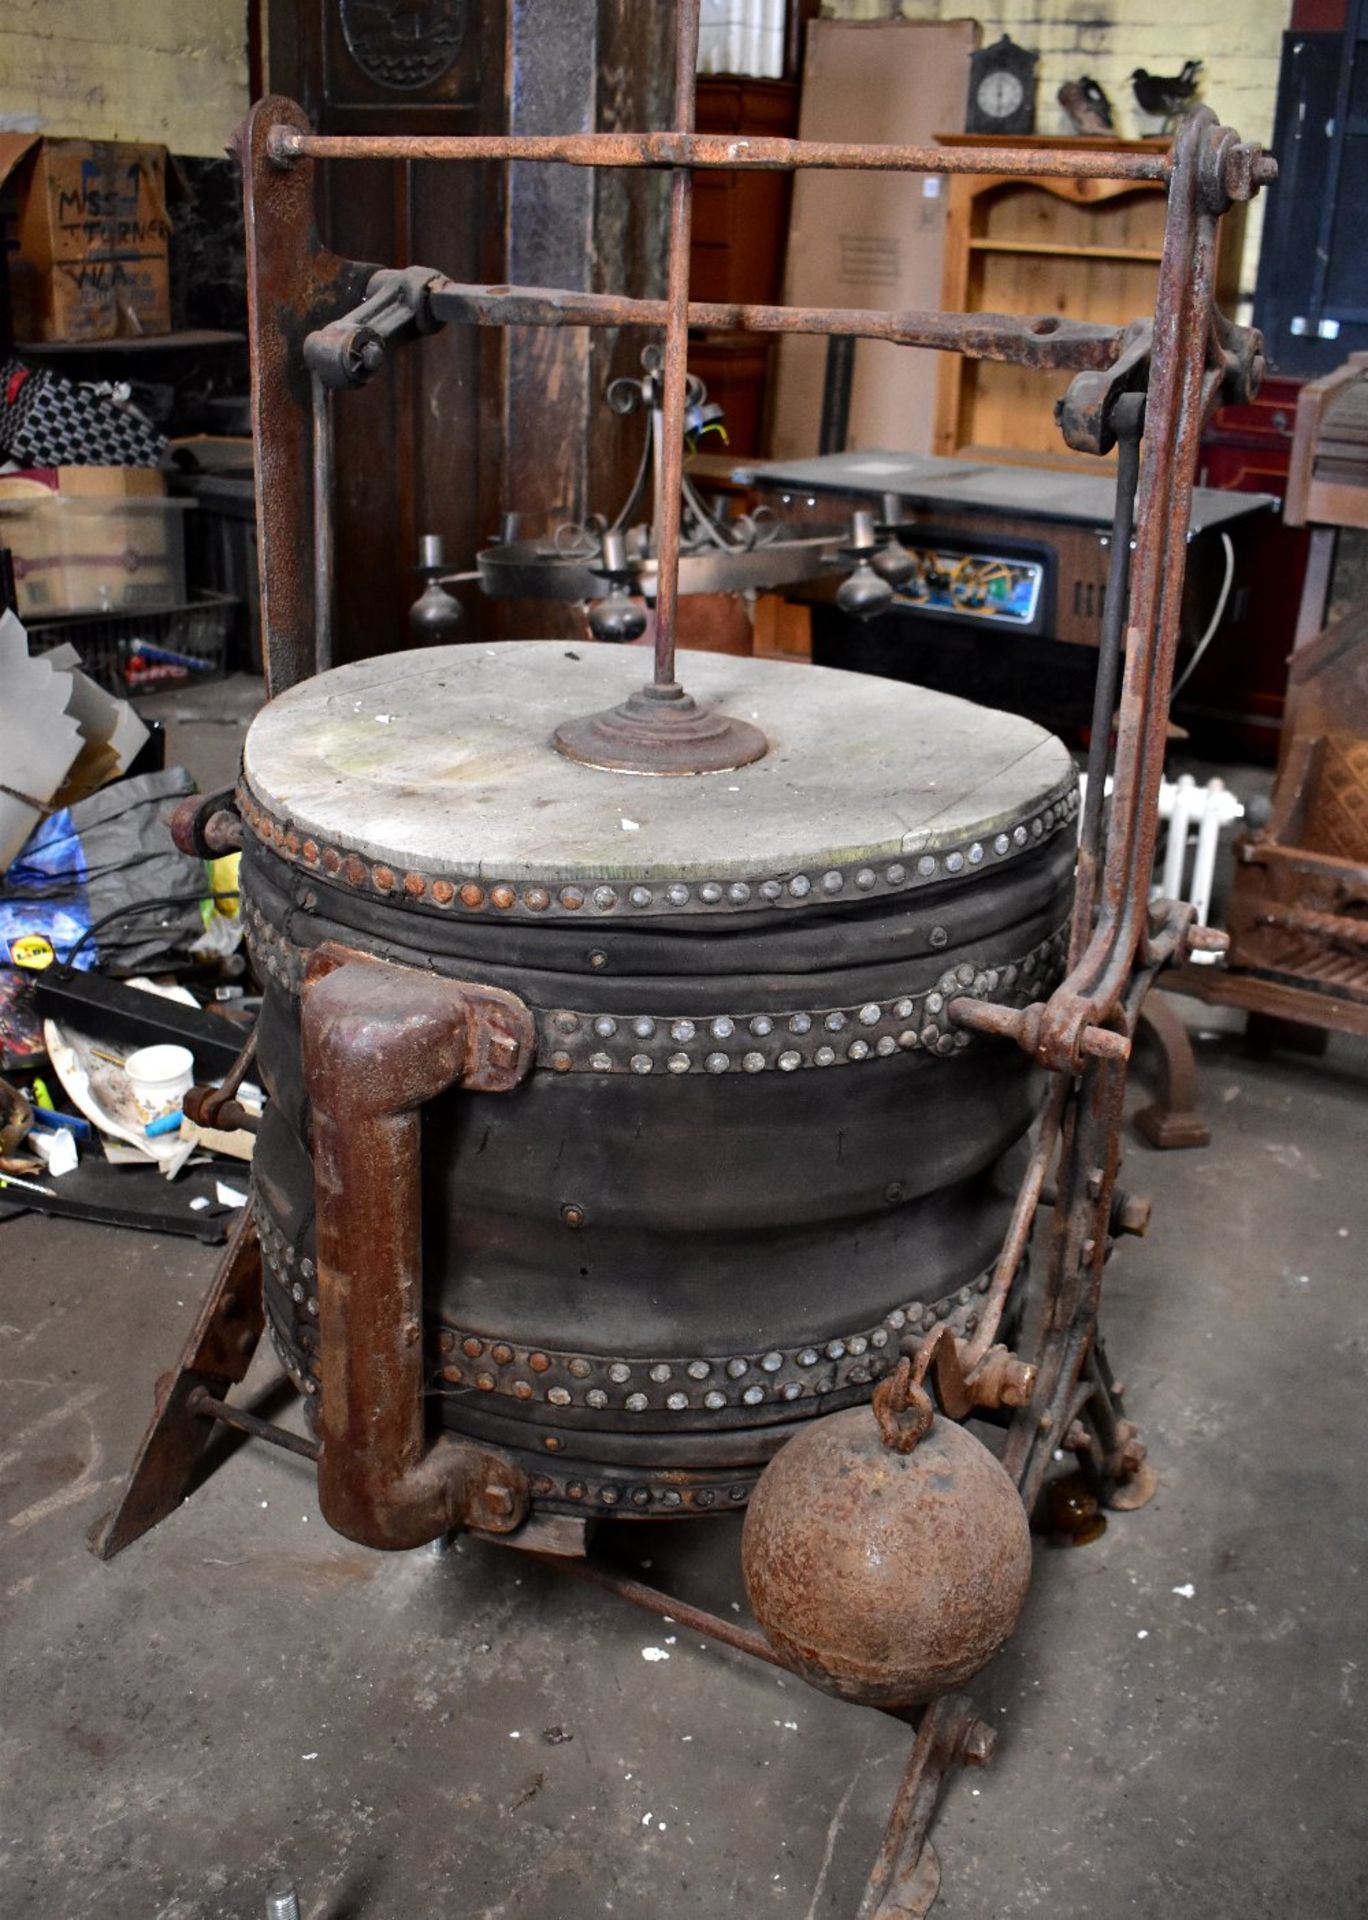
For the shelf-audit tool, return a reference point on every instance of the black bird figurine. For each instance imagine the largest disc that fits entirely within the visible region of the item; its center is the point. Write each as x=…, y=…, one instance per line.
x=1165, y=99
x=1088, y=108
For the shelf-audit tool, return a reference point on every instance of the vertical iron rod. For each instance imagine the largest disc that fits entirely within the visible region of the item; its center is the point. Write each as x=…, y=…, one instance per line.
x=674, y=369
x=322, y=526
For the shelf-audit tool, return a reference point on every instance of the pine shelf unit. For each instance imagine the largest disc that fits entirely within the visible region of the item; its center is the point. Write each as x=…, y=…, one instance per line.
x=1084, y=249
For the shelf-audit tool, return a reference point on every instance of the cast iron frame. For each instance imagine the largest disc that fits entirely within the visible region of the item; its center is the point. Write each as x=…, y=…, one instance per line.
x=320, y=324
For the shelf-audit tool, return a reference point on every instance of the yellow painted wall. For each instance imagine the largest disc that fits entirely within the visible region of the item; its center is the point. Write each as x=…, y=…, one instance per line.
x=172, y=71
x=1240, y=42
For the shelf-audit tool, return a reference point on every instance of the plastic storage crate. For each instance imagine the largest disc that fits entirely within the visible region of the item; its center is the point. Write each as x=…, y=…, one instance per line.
x=145, y=652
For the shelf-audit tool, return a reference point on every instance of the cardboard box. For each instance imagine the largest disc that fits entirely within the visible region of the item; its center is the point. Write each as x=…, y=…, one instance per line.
x=87, y=238
x=870, y=239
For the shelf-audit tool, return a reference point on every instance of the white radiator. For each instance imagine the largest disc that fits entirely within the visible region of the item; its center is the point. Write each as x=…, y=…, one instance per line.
x=1193, y=816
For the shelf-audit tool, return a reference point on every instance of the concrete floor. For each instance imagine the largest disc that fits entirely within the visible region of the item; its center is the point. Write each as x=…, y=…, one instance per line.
x=243, y=1696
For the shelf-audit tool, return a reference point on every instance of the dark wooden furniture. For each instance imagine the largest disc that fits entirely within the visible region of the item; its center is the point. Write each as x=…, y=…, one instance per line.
x=740, y=230
x=1299, y=906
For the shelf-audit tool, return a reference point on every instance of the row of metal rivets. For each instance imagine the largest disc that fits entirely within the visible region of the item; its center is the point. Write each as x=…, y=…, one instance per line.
x=698, y=1385
x=672, y=896
x=607, y=1493
x=641, y=1043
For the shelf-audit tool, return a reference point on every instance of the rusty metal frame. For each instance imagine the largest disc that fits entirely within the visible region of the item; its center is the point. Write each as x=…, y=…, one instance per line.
x=319, y=325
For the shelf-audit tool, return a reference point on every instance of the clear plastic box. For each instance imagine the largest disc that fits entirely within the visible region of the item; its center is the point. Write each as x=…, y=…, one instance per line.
x=77, y=553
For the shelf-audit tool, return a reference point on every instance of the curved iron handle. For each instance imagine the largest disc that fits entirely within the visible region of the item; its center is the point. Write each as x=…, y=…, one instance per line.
x=379, y=1042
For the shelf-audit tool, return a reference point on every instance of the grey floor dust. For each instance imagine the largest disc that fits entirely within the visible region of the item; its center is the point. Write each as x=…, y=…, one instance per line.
x=243, y=1696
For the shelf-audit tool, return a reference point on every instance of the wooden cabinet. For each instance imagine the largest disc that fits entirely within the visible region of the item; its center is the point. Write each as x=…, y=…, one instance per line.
x=1086, y=249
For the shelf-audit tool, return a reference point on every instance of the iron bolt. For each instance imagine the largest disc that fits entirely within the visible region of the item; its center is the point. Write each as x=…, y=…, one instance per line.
x=1077, y=1438
x=498, y=1501
x=1206, y=939
x=977, y=1744
x=1132, y=1213
x=503, y=1050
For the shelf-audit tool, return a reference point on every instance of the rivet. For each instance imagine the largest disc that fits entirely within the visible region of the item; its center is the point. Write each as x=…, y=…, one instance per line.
x=562, y=1062
x=572, y=899
x=835, y=1349
x=678, y=1063
x=442, y=890
x=770, y=889
x=605, y=1026
x=946, y=1043
x=641, y=1496
x=885, y=1045
x=643, y=1027
x=1036, y=829
x=965, y=974
x=683, y=1031
x=553, y=1443
x=857, y=1344
x=310, y=852
x=710, y=892
x=384, y=879
x=522, y=1389
x=503, y=897
x=558, y=1396
x=809, y=1357
x=601, y=1062
x=485, y=1382
x=717, y=1062
x=737, y=1493
x=772, y=1362
x=472, y=1348
x=446, y=1342
x=832, y=882
x=1002, y=844
x=1019, y=835
x=926, y=866
x=790, y=1390
x=297, y=1293
x=705, y=1497
x=824, y=1056
x=671, y=1497
x=676, y=1402
x=596, y=1397
x=537, y=898
x=574, y=1489
x=738, y=893
x=677, y=895
x=698, y=1369
x=636, y=1403
x=939, y=937
x=541, y=1483
x=753, y=1062
x=642, y=1063
x=660, y=1373
x=879, y=1337
x=566, y=1023
x=605, y=899
x=640, y=896
x=714, y=1400
x=897, y=1319
x=799, y=886
x=572, y=1214
x=865, y=879
x=858, y=1376
x=753, y=1396
x=858, y=1050
x=723, y=1027
x=597, y=958
x=609, y=1496
x=935, y=1002
x=501, y=1354
x=472, y=896
x=870, y=1015
x=736, y=1368
x=619, y=1372
x=540, y=1363
x=954, y=862
x=975, y=854
x=834, y=1022
x=800, y=1023
x=789, y=1062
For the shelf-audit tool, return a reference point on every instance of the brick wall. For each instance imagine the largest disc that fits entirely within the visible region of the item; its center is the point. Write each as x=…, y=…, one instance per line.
x=1240, y=45
x=173, y=71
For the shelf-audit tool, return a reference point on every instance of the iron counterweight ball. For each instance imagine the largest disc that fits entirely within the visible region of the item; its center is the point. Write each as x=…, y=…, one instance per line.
x=881, y=1575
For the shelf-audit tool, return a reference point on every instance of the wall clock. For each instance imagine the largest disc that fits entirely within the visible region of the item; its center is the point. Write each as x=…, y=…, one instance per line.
x=1002, y=82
